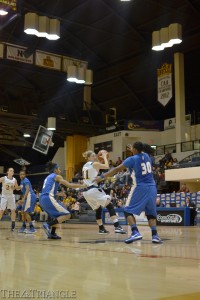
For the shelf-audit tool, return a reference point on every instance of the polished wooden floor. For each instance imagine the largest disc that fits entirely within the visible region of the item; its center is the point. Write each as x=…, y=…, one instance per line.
x=87, y=266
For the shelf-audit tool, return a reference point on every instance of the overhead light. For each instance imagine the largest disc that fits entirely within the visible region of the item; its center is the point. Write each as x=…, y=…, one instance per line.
x=72, y=73
x=54, y=29
x=31, y=23
x=3, y=12
x=156, y=44
x=166, y=37
x=26, y=134
x=80, y=75
x=88, y=77
x=175, y=33
x=42, y=26
x=51, y=123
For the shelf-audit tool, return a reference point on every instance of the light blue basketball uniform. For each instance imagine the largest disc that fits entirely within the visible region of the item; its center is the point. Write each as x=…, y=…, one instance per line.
x=30, y=201
x=47, y=198
x=142, y=196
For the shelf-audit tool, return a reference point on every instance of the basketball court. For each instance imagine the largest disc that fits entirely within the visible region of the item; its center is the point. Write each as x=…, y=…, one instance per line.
x=87, y=266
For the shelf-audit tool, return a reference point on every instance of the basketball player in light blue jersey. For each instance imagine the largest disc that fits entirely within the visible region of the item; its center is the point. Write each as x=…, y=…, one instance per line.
x=49, y=204
x=28, y=203
x=142, y=196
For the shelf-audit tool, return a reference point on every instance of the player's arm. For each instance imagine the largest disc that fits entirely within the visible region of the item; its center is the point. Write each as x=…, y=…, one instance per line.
x=102, y=166
x=1, y=179
x=110, y=173
x=16, y=186
x=68, y=184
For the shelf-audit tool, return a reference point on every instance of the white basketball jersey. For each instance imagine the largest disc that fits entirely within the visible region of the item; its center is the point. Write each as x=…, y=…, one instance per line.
x=89, y=174
x=8, y=185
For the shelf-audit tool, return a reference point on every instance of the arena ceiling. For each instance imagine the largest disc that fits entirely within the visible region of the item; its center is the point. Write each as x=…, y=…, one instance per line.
x=115, y=39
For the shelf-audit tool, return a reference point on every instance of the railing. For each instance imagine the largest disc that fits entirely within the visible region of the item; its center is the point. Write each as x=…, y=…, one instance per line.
x=171, y=148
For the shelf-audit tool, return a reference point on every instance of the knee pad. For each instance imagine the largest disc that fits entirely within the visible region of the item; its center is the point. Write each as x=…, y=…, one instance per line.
x=111, y=210
x=98, y=213
x=127, y=214
x=149, y=217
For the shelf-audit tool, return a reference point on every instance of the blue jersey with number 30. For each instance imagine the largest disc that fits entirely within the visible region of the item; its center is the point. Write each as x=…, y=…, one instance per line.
x=140, y=167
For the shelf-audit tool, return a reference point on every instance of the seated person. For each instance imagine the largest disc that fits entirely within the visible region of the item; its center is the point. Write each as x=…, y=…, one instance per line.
x=159, y=203
x=183, y=189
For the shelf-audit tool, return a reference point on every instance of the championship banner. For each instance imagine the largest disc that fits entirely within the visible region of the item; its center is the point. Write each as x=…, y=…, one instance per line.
x=17, y=53
x=12, y=4
x=67, y=61
x=48, y=60
x=1, y=50
x=164, y=79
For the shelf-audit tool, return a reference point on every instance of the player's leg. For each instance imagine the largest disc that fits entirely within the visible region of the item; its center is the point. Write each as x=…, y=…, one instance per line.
x=151, y=214
x=93, y=198
x=102, y=229
x=29, y=206
x=57, y=211
x=135, y=204
x=3, y=205
x=111, y=210
x=23, y=228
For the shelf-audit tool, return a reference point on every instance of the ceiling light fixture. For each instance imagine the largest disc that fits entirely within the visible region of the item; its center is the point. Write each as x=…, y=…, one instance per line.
x=167, y=37
x=42, y=26
x=51, y=123
x=26, y=134
x=3, y=12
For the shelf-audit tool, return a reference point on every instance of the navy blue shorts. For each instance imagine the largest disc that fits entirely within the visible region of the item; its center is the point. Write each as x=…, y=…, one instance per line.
x=142, y=198
x=52, y=207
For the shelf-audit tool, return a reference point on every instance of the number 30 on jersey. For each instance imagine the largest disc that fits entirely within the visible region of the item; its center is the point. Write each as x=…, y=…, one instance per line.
x=146, y=168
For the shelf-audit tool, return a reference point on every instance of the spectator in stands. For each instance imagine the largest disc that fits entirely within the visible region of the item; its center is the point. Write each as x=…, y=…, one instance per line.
x=37, y=211
x=110, y=162
x=193, y=210
x=120, y=203
x=175, y=162
x=159, y=203
x=118, y=162
x=166, y=158
x=183, y=189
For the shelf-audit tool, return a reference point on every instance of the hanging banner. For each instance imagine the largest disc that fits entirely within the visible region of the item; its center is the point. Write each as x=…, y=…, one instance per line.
x=164, y=80
x=17, y=53
x=1, y=50
x=143, y=125
x=68, y=61
x=48, y=60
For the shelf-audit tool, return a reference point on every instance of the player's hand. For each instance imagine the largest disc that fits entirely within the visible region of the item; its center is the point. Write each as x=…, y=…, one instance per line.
x=97, y=179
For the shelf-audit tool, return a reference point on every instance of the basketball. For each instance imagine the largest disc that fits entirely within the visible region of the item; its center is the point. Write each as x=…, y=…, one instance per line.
x=99, y=155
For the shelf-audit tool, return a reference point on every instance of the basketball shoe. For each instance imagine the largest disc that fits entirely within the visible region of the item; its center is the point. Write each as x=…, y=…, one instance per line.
x=156, y=239
x=135, y=236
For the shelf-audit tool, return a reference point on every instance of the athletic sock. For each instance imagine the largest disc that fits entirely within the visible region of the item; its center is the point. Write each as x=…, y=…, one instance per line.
x=101, y=227
x=13, y=224
x=134, y=227
x=30, y=225
x=53, y=230
x=24, y=224
x=153, y=230
x=116, y=223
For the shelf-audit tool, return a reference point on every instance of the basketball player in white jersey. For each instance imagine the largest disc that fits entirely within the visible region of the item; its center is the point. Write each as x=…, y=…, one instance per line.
x=95, y=196
x=9, y=184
